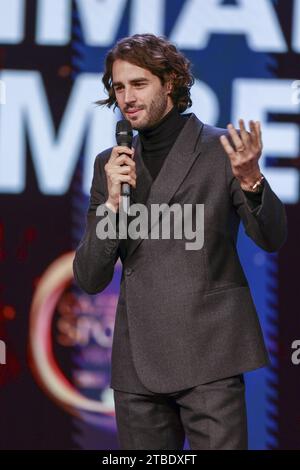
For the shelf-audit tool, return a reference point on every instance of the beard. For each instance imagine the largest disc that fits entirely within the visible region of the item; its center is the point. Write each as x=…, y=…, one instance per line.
x=156, y=110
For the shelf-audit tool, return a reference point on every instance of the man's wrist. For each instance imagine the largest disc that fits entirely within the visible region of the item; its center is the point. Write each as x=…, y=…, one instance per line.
x=254, y=185
x=111, y=206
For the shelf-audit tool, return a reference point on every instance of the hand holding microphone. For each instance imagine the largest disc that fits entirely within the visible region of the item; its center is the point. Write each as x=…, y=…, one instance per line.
x=120, y=168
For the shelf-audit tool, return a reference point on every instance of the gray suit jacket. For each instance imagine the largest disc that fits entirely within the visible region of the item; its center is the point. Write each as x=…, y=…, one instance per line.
x=183, y=317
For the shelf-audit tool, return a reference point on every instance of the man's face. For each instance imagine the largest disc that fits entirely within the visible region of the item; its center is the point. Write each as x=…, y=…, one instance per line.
x=141, y=97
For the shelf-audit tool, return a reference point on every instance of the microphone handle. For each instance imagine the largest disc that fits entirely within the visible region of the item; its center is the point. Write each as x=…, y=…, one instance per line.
x=125, y=187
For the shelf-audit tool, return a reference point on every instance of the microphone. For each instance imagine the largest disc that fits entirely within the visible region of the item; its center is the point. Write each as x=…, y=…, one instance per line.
x=124, y=138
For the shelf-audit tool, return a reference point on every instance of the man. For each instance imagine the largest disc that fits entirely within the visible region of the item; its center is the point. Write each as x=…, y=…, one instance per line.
x=186, y=327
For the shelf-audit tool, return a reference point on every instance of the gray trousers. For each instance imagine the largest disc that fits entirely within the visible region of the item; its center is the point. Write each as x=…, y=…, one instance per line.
x=211, y=416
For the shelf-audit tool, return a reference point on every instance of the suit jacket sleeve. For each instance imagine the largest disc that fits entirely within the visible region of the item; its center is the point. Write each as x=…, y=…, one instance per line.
x=95, y=258
x=266, y=223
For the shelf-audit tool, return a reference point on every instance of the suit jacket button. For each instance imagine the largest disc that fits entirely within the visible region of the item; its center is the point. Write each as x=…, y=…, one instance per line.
x=128, y=271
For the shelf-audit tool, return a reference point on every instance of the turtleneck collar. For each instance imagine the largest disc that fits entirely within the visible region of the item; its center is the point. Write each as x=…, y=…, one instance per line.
x=158, y=140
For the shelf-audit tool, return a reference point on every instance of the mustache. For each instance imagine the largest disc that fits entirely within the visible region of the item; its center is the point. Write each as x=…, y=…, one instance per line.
x=128, y=108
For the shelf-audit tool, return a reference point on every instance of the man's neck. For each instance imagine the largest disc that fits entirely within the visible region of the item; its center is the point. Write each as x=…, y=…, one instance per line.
x=158, y=140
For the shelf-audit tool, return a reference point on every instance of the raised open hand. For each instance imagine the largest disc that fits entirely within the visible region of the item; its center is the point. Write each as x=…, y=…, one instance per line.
x=245, y=154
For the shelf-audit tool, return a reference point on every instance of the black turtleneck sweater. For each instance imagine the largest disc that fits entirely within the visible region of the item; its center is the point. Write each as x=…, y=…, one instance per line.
x=158, y=140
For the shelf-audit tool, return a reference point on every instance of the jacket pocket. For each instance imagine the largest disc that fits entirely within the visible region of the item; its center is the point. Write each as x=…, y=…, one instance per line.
x=223, y=288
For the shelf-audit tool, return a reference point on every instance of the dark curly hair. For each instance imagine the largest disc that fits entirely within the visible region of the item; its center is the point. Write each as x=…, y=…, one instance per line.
x=160, y=57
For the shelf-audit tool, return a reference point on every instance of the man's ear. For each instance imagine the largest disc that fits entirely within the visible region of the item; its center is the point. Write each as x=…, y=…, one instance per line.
x=170, y=83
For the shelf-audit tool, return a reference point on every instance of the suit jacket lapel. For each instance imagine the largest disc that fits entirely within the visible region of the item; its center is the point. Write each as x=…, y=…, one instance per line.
x=175, y=168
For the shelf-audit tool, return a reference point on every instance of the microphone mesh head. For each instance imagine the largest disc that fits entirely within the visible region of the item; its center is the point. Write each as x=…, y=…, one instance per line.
x=124, y=132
